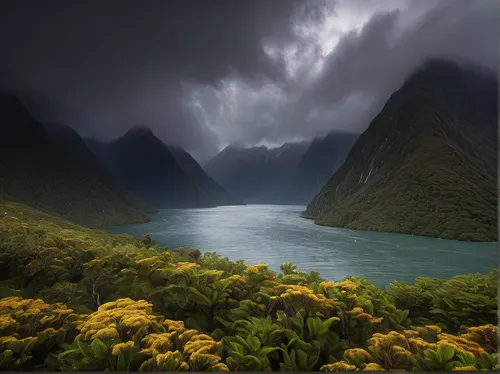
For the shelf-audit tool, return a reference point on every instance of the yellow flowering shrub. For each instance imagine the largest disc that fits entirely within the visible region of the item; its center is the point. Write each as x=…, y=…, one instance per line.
x=338, y=366
x=141, y=307
x=122, y=320
x=29, y=327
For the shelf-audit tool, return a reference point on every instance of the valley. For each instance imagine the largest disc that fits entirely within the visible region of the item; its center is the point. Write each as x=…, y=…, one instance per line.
x=144, y=226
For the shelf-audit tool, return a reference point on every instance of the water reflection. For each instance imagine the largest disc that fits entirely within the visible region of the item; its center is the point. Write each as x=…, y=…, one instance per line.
x=277, y=234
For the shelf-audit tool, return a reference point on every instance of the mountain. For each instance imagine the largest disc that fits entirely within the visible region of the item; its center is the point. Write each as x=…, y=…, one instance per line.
x=36, y=170
x=291, y=174
x=69, y=140
x=147, y=167
x=258, y=174
x=427, y=163
x=321, y=159
x=215, y=193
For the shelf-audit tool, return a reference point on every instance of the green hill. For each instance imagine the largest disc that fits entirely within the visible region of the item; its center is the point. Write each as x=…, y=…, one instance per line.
x=426, y=165
x=35, y=169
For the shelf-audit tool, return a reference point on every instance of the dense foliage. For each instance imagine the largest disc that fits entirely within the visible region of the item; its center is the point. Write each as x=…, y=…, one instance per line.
x=426, y=165
x=79, y=299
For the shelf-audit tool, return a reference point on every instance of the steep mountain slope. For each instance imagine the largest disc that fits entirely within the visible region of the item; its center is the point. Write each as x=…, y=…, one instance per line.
x=257, y=175
x=214, y=192
x=240, y=170
x=147, y=167
x=69, y=140
x=35, y=170
x=426, y=165
x=290, y=174
x=323, y=157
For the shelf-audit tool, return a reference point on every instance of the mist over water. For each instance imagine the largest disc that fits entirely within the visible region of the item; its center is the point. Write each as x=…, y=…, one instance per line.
x=276, y=234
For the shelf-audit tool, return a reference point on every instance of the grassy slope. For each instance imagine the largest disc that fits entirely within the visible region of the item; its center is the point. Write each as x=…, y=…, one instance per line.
x=16, y=216
x=69, y=194
x=432, y=174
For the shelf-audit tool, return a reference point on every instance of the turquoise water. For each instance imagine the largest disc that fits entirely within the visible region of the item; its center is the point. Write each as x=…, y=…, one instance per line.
x=276, y=234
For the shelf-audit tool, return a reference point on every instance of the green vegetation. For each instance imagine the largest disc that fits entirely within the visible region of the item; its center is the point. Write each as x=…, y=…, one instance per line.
x=73, y=298
x=55, y=172
x=448, y=200
x=420, y=168
x=74, y=197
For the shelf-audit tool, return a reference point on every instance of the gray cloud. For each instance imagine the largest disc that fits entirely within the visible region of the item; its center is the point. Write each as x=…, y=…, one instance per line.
x=361, y=72
x=374, y=63
x=206, y=74
x=116, y=63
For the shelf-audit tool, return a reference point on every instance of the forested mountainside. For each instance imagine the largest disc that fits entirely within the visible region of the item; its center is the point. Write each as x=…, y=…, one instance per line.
x=427, y=164
x=37, y=170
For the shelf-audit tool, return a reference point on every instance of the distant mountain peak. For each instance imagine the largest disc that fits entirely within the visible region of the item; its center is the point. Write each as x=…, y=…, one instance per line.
x=435, y=64
x=139, y=130
x=441, y=70
x=235, y=145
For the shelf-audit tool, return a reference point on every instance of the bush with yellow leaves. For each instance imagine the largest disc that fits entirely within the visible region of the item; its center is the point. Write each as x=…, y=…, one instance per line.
x=423, y=349
x=125, y=335
x=31, y=328
x=134, y=306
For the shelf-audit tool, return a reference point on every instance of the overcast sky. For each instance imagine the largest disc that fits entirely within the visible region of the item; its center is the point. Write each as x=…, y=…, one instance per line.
x=204, y=74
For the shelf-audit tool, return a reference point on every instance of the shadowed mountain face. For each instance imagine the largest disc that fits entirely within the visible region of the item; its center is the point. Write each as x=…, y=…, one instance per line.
x=69, y=140
x=291, y=174
x=215, y=193
x=36, y=170
x=323, y=157
x=426, y=165
x=147, y=167
x=259, y=174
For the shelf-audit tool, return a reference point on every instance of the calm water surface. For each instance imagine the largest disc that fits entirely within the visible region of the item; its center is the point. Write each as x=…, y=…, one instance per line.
x=276, y=234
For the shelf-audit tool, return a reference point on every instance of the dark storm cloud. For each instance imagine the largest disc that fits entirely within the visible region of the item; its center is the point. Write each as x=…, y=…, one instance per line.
x=119, y=62
x=361, y=72
x=203, y=74
x=202, y=40
x=373, y=64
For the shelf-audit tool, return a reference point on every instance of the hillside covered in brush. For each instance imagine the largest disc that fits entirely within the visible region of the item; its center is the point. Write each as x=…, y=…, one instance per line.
x=36, y=169
x=426, y=165
x=79, y=299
